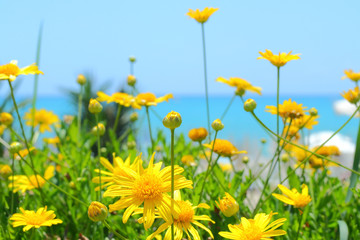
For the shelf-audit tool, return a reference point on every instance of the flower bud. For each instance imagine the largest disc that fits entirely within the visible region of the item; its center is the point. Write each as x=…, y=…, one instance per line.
x=72, y=185
x=131, y=80
x=97, y=211
x=132, y=59
x=134, y=116
x=228, y=206
x=15, y=147
x=240, y=92
x=94, y=106
x=198, y=134
x=249, y=105
x=131, y=144
x=313, y=112
x=245, y=159
x=6, y=118
x=101, y=128
x=172, y=120
x=217, y=125
x=5, y=170
x=81, y=79
x=285, y=157
x=263, y=140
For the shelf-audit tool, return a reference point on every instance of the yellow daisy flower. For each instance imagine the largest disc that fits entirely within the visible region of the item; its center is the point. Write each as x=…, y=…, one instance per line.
x=241, y=85
x=289, y=109
x=10, y=71
x=183, y=221
x=278, y=60
x=255, y=229
x=32, y=219
x=5, y=170
x=198, y=134
x=306, y=121
x=327, y=151
x=228, y=205
x=146, y=186
x=293, y=197
x=23, y=153
x=24, y=183
x=224, y=148
x=350, y=74
x=188, y=160
x=201, y=16
x=120, y=98
x=53, y=141
x=149, y=99
x=6, y=118
x=114, y=169
x=42, y=118
x=353, y=95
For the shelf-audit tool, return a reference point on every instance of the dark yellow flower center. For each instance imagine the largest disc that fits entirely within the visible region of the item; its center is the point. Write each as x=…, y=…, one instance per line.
x=148, y=186
x=146, y=97
x=187, y=212
x=9, y=69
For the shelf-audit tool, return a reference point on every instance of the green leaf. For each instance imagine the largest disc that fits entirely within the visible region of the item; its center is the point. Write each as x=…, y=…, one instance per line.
x=344, y=231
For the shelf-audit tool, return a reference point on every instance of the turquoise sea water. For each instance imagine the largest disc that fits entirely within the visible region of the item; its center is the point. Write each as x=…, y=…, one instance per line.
x=239, y=125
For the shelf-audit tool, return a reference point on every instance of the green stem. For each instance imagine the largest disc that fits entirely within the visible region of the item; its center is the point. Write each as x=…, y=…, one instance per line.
x=278, y=120
x=117, y=118
x=228, y=107
x=99, y=153
x=355, y=167
x=300, y=220
x=17, y=135
x=23, y=133
x=12, y=192
x=206, y=83
x=209, y=168
x=113, y=231
x=151, y=138
x=172, y=182
x=36, y=79
x=232, y=165
x=79, y=114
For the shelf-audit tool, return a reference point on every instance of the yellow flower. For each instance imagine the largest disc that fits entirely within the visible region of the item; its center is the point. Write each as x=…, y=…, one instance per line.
x=23, y=183
x=183, y=221
x=327, y=151
x=350, y=74
x=224, y=148
x=5, y=170
x=146, y=186
x=198, y=134
x=353, y=96
x=201, y=16
x=114, y=169
x=241, y=85
x=226, y=167
x=53, y=141
x=292, y=132
x=306, y=121
x=37, y=219
x=149, y=99
x=10, y=71
x=42, y=118
x=289, y=109
x=23, y=153
x=255, y=229
x=299, y=153
x=278, y=60
x=6, y=118
x=97, y=211
x=120, y=98
x=188, y=160
x=293, y=197
x=228, y=205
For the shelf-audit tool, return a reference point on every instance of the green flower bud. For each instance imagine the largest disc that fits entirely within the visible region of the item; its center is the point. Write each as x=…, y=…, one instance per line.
x=94, y=106
x=172, y=120
x=97, y=211
x=217, y=125
x=15, y=147
x=249, y=105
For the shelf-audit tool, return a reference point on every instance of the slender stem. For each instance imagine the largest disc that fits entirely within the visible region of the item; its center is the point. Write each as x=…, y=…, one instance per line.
x=206, y=83
x=278, y=120
x=228, y=107
x=113, y=231
x=151, y=138
x=172, y=182
x=12, y=192
x=23, y=133
x=79, y=113
x=16, y=134
x=232, y=165
x=132, y=68
x=3, y=142
x=99, y=152
x=117, y=117
x=209, y=168
x=36, y=79
x=300, y=220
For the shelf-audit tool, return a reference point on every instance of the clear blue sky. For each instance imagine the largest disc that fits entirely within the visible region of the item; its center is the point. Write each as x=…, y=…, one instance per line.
x=98, y=36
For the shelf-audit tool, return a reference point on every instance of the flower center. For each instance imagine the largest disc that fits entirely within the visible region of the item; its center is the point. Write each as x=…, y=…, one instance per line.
x=301, y=200
x=36, y=220
x=9, y=69
x=148, y=186
x=187, y=212
x=146, y=97
x=252, y=233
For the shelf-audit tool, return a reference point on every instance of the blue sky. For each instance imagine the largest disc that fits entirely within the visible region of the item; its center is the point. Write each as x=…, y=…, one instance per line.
x=99, y=36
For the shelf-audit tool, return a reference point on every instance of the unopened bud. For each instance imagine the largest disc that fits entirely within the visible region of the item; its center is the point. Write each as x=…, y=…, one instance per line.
x=131, y=144
x=228, y=205
x=132, y=59
x=6, y=118
x=131, y=80
x=240, y=92
x=217, y=125
x=263, y=140
x=81, y=79
x=313, y=112
x=94, y=106
x=249, y=105
x=15, y=147
x=134, y=116
x=99, y=127
x=245, y=159
x=285, y=157
x=97, y=211
x=172, y=120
